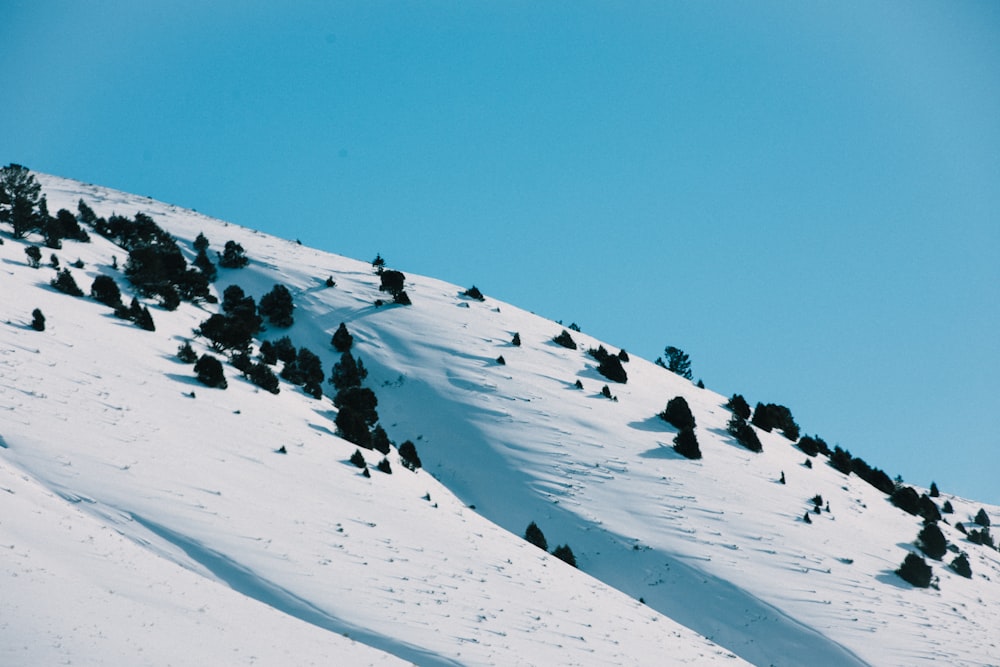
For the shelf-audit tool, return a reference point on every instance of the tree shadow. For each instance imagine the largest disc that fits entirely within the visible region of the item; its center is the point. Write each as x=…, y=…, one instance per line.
x=653, y=425
x=663, y=452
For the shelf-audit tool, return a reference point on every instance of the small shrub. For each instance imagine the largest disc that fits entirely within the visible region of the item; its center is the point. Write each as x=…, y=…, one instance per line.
x=474, y=293
x=516, y=340
x=739, y=406
x=982, y=519
x=961, y=566
x=623, y=356
x=186, y=353
x=402, y=298
x=501, y=360
x=65, y=283
x=932, y=541
x=54, y=261
x=262, y=376
x=233, y=256
x=358, y=459
x=841, y=460
x=408, y=455
x=916, y=571
x=330, y=282
x=392, y=281
x=34, y=254
x=565, y=340
x=342, y=339
x=744, y=433
x=811, y=445
x=579, y=385
x=534, y=535
x=678, y=414
x=686, y=444
x=565, y=554
x=105, y=289
x=144, y=319
x=384, y=466
x=277, y=306
x=209, y=372
x=934, y=490
x=906, y=499
x=947, y=508
x=37, y=320
x=606, y=391
x=380, y=440
x=773, y=416
x=610, y=366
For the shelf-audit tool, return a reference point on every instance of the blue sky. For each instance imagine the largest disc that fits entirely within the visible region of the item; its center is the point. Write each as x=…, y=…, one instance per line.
x=804, y=196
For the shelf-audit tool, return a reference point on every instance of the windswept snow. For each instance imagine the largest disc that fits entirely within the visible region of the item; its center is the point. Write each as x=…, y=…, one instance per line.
x=145, y=525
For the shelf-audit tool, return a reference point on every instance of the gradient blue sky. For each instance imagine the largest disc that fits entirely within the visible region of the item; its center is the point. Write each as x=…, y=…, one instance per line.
x=804, y=196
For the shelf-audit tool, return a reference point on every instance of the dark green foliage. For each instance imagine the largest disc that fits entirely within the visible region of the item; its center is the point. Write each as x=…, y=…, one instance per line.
x=947, y=508
x=565, y=340
x=841, y=460
x=54, y=261
x=267, y=354
x=817, y=500
x=744, y=433
x=144, y=319
x=65, y=283
x=906, y=499
x=606, y=391
x=677, y=361
x=772, y=416
x=402, y=298
x=284, y=350
x=916, y=571
x=609, y=365
x=78, y=264
x=574, y=327
x=262, y=376
x=806, y=518
x=200, y=242
x=982, y=519
x=739, y=406
x=34, y=254
x=233, y=256
x=169, y=298
x=360, y=400
x=305, y=369
x=811, y=445
x=209, y=372
x=686, y=444
x=378, y=263
x=623, y=356
x=928, y=509
x=358, y=459
x=206, y=266
x=384, y=466
x=313, y=389
x=347, y=372
x=277, y=306
x=474, y=293
x=86, y=214
x=330, y=282
x=534, y=535
x=877, y=478
x=981, y=536
x=501, y=360
x=234, y=329
x=186, y=353
x=353, y=428
x=392, y=282
x=37, y=320
x=934, y=490
x=69, y=228
x=579, y=385
x=242, y=362
x=380, y=440
x=678, y=414
x=565, y=554
x=192, y=285
x=961, y=566
x=516, y=340
x=19, y=195
x=932, y=541
x=342, y=339
x=408, y=454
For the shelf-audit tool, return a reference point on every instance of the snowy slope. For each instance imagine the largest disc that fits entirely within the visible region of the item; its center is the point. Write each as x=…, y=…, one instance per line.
x=100, y=434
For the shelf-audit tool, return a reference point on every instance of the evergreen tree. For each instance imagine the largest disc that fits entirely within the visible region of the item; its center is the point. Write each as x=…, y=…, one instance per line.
x=209, y=372
x=916, y=571
x=932, y=541
x=677, y=361
x=384, y=466
x=353, y=427
x=934, y=490
x=474, y=293
x=534, y=535
x=392, y=282
x=348, y=372
x=565, y=554
x=200, y=242
x=516, y=341
x=380, y=440
x=678, y=414
x=744, y=433
x=739, y=406
x=65, y=283
x=686, y=444
x=233, y=256
x=186, y=353
x=205, y=265
x=69, y=227
x=284, y=350
x=360, y=400
x=37, y=320
x=19, y=196
x=262, y=376
x=358, y=459
x=34, y=254
x=408, y=454
x=277, y=306
x=342, y=339
x=982, y=518
x=565, y=340
x=961, y=566
x=145, y=320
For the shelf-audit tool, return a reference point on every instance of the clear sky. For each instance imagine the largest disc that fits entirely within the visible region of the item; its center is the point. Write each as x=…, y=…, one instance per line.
x=804, y=196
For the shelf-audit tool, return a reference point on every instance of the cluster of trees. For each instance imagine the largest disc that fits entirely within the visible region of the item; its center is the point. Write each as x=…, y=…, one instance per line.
x=534, y=535
x=24, y=207
x=677, y=361
x=771, y=416
x=738, y=426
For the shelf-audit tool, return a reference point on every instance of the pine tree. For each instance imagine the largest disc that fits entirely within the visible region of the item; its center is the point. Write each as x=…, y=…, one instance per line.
x=916, y=571
x=233, y=256
x=686, y=444
x=534, y=535
x=19, y=196
x=277, y=306
x=34, y=254
x=209, y=372
x=342, y=339
x=678, y=414
x=932, y=541
x=565, y=554
x=677, y=361
x=408, y=454
x=105, y=289
x=65, y=283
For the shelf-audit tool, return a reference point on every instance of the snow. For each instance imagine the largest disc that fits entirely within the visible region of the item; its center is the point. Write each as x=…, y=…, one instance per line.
x=147, y=526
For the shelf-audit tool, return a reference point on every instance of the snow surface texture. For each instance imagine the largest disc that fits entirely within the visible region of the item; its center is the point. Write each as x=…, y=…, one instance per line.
x=141, y=525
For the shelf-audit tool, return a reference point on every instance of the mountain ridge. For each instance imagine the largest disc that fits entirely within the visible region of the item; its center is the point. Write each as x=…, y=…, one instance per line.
x=518, y=441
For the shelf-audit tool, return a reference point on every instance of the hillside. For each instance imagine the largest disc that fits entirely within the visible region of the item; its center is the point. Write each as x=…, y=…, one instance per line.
x=154, y=520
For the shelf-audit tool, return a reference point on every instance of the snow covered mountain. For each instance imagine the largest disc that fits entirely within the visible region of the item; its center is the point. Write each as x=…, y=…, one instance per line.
x=148, y=519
